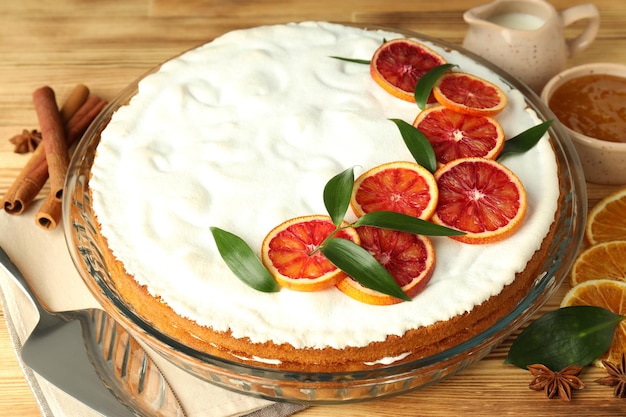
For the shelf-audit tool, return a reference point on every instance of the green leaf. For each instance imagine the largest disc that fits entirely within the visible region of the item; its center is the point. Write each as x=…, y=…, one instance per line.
x=418, y=145
x=404, y=223
x=568, y=336
x=362, y=266
x=525, y=140
x=425, y=84
x=355, y=61
x=243, y=262
x=337, y=193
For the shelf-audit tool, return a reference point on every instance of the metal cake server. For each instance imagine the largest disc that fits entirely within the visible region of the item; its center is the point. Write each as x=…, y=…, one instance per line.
x=89, y=356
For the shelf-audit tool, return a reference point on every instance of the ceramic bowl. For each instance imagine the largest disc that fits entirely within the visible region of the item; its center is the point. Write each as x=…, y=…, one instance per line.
x=603, y=162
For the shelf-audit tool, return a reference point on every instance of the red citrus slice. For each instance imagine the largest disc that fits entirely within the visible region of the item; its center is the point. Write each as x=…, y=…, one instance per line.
x=455, y=135
x=469, y=94
x=409, y=258
x=480, y=197
x=403, y=187
x=398, y=64
x=289, y=253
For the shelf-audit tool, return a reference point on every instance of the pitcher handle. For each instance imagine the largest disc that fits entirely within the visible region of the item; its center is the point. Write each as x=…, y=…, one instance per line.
x=586, y=37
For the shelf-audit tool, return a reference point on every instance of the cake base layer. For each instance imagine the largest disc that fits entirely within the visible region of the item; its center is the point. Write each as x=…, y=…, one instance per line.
x=415, y=344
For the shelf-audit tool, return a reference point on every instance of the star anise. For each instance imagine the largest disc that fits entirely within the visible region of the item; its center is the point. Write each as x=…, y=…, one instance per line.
x=556, y=384
x=27, y=141
x=616, y=378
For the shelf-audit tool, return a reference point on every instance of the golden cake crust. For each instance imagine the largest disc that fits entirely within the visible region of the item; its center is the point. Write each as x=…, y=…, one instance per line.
x=414, y=344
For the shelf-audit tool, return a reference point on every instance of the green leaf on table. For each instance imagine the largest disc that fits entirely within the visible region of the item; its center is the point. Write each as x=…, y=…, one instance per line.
x=525, y=140
x=404, y=223
x=243, y=262
x=362, y=266
x=574, y=335
x=418, y=145
x=337, y=193
x=425, y=84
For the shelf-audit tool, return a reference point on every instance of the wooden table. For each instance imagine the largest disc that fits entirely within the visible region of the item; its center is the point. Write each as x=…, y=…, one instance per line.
x=108, y=43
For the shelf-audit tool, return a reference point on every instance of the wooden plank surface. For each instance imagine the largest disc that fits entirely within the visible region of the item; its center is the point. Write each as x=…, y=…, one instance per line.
x=108, y=43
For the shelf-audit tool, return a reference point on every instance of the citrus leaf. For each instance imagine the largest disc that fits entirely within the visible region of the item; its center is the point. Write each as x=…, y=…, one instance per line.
x=525, y=140
x=362, y=266
x=243, y=262
x=404, y=223
x=355, y=61
x=337, y=193
x=418, y=145
x=425, y=84
x=574, y=335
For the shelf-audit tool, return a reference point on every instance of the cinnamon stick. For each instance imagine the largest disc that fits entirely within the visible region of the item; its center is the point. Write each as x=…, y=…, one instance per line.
x=49, y=214
x=34, y=174
x=73, y=102
x=28, y=183
x=52, y=137
x=80, y=121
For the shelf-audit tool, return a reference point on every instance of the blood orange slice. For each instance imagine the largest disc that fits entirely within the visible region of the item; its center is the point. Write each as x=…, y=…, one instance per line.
x=480, y=197
x=398, y=64
x=455, y=135
x=289, y=253
x=409, y=258
x=469, y=94
x=402, y=187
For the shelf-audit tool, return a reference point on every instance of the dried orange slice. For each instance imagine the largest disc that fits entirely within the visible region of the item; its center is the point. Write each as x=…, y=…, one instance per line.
x=409, y=258
x=402, y=187
x=455, y=135
x=469, y=94
x=610, y=295
x=398, y=64
x=289, y=253
x=607, y=219
x=480, y=197
x=606, y=260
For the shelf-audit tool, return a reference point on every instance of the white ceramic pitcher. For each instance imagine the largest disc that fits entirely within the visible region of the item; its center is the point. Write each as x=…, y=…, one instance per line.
x=526, y=37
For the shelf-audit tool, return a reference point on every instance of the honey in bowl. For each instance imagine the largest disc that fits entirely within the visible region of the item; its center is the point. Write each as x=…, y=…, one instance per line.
x=594, y=105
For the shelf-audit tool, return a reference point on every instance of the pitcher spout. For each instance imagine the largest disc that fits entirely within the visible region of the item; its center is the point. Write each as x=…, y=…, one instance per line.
x=479, y=15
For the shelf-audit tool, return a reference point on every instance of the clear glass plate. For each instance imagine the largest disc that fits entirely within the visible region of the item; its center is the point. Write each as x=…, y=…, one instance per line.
x=317, y=388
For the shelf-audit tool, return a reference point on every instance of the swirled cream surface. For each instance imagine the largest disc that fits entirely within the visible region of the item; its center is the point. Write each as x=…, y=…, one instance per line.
x=243, y=133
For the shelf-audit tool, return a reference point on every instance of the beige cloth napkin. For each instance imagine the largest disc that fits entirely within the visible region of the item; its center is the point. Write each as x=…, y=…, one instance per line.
x=43, y=258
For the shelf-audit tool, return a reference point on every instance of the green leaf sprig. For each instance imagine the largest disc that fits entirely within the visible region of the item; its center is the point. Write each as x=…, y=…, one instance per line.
x=352, y=258
x=344, y=254
x=347, y=255
x=353, y=60
x=362, y=266
x=575, y=335
x=337, y=194
x=425, y=84
x=404, y=223
x=243, y=262
x=525, y=140
x=420, y=148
